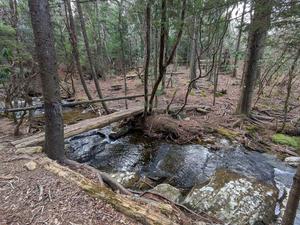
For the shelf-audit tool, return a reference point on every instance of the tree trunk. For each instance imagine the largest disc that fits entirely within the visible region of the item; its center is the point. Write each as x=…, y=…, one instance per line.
x=44, y=42
x=73, y=40
x=164, y=64
x=236, y=58
x=122, y=49
x=258, y=32
x=155, y=62
x=89, y=55
x=193, y=58
x=291, y=77
x=293, y=201
x=147, y=53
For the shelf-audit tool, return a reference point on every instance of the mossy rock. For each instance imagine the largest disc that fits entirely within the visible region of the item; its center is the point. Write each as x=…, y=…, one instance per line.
x=283, y=139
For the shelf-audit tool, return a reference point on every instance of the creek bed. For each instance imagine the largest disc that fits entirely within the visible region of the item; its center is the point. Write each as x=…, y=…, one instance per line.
x=229, y=183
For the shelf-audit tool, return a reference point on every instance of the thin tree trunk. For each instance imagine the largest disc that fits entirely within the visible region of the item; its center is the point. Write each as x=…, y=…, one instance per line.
x=73, y=40
x=193, y=59
x=289, y=88
x=155, y=62
x=122, y=50
x=293, y=201
x=45, y=50
x=237, y=49
x=258, y=33
x=89, y=55
x=147, y=53
x=163, y=66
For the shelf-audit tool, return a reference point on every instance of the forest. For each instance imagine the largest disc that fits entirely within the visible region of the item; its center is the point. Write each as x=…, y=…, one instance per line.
x=150, y=112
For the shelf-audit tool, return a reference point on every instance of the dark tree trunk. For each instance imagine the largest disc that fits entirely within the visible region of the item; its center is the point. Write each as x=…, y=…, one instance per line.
x=236, y=58
x=147, y=53
x=44, y=41
x=89, y=55
x=257, y=36
x=73, y=40
x=121, y=30
x=193, y=59
x=163, y=64
x=293, y=201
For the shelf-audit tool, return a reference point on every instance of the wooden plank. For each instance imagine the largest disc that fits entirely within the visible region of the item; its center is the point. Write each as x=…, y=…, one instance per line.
x=80, y=127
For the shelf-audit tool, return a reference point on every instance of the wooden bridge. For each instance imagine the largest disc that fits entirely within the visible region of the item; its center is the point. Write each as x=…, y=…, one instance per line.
x=80, y=127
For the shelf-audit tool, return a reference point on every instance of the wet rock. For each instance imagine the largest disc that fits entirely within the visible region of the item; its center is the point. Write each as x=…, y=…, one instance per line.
x=292, y=161
x=118, y=132
x=84, y=147
x=186, y=166
x=118, y=157
x=235, y=199
x=168, y=191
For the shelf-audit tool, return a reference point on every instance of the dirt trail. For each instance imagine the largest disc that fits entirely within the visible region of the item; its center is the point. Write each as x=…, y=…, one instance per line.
x=39, y=197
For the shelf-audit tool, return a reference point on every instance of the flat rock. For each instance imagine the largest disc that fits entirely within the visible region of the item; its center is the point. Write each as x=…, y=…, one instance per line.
x=168, y=191
x=31, y=165
x=190, y=165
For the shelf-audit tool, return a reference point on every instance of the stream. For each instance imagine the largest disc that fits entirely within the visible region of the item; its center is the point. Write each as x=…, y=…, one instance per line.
x=233, y=184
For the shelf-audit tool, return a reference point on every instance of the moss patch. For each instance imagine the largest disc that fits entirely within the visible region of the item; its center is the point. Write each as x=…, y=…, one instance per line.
x=230, y=134
x=286, y=140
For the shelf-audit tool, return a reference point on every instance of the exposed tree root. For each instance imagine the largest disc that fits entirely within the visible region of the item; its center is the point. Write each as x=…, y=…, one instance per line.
x=102, y=177
x=166, y=126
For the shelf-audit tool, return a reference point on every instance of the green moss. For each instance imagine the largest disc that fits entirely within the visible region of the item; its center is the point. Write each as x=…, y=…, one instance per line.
x=251, y=128
x=230, y=134
x=287, y=140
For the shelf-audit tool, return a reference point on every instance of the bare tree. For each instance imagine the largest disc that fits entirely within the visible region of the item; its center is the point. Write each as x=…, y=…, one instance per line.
x=46, y=55
x=258, y=31
x=193, y=59
x=164, y=63
x=147, y=53
x=73, y=40
x=89, y=55
x=239, y=40
x=291, y=77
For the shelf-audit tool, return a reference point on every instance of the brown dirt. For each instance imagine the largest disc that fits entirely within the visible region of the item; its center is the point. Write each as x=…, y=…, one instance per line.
x=59, y=202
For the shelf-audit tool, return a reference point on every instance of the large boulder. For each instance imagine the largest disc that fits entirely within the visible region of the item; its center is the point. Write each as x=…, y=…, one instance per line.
x=190, y=165
x=235, y=199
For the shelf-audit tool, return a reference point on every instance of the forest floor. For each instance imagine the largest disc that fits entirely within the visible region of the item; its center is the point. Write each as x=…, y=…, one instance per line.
x=39, y=197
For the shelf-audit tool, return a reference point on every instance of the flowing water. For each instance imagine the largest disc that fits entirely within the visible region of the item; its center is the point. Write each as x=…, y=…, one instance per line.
x=142, y=163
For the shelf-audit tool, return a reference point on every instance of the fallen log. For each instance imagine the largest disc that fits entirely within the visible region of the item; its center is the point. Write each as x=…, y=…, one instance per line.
x=90, y=124
x=70, y=104
x=80, y=127
x=142, y=210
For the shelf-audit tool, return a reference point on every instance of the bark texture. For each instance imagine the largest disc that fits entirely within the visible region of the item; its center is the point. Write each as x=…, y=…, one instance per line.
x=89, y=55
x=75, y=52
x=258, y=31
x=44, y=42
x=147, y=53
x=293, y=201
